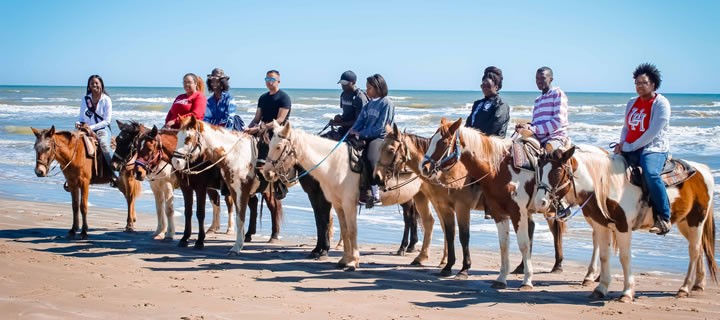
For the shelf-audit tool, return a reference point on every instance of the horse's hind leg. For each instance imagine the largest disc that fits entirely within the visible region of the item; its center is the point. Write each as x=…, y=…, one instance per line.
x=188, y=199
x=557, y=227
x=275, y=207
x=75, y=195
x=201, y=193
x=520, y=269
x=231, y=215
x=252, y=226
x=83, y=210
x=406, y=230
x=215, y=202
x=623, y=243
x=694, y=237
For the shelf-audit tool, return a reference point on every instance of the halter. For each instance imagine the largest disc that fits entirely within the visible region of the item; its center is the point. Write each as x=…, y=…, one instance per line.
x=53, y=155
x=447, y=156
x=152, y=163
x=131, y=157
x=552, y=191
x=392, y=170
x=277, y=164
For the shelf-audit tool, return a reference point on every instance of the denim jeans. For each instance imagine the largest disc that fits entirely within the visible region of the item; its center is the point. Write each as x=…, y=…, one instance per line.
x=103, y=136
x=652, y=164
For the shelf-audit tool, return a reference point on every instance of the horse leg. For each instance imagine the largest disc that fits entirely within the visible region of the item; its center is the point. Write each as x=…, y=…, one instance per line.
x=343, y=234
x=557, y=227
x=275, y=207
x=413, y=228
x=215, y=202
x=75, y=195
x=201, y=194
x=463, y=218
x=351, y=245
x=448, y=220
x=406, y=230
x=252, y=226
x=623, y=242
x=124, y=184
x=188, y=199
x=503, y=228
x=158, y=193
x=422, y=205
x=231, y=211
x=694, y=237
x=321, y=209
x=520, y=269
x=168, y=204
x=524, y=242
x=244, y=197
x=592, y=268
x=83, y=210
x=603, y=239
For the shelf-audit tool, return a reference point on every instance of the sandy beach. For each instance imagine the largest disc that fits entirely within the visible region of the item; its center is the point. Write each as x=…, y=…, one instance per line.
x=43, y=275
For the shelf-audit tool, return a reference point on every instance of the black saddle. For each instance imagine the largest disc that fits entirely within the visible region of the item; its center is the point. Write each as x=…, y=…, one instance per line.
x=675, y=171
x=355, y=151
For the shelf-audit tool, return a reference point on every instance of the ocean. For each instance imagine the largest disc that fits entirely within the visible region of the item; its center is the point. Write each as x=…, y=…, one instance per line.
x=595, y=118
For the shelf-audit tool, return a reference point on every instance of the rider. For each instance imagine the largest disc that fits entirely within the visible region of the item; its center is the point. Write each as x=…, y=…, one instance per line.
x=644, y=140
x=95, y=114
x=192, y=101
x=272, y=105
x=369, y=127
x=220, y=111
x=352, y=100
x=491, y=114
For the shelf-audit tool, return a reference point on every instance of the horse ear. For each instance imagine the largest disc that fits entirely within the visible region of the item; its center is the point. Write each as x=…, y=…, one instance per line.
x=443, y=121
x=120, y=124
x=36, y=132
x=284, y=130
x=396, y=131
x=568, y=154
x=153, y=132
x=52, y=131
x=274, y=124
x=456, y=125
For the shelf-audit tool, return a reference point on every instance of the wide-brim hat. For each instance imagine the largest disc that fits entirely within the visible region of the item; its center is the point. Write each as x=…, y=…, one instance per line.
x=218, y=73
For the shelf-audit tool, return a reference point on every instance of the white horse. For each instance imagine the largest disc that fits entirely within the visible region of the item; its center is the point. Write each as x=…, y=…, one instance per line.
x=590, y=177
x=235, y=153
x=290, y=146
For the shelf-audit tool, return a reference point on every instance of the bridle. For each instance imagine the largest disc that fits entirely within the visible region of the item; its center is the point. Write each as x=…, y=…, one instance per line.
x=53, y=148
x=393, y=168
x=447, y=156
x=130, y=157
x=151, y=164
x=278, y=164
x=552, y=191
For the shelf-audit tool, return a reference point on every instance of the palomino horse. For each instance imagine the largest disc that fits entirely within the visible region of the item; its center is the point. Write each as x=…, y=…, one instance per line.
x=162, y=182
x=589, y=177
x=68, y=149
x=460, y=151
x=289, y=147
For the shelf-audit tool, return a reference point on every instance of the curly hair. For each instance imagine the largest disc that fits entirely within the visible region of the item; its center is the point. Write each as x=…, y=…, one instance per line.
x=651, y=71
x=224, y=84
x=495, y=74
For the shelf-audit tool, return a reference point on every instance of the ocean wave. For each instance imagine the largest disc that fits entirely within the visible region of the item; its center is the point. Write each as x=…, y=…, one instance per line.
x=40, y=109
x=16, y=130
x=154, y=107
x=48, y=99
x=699, y=113
x=17, y=143
x=399, y=98
x=313, y=106
x=139, y=99
x=241, y=101
x=318, y=98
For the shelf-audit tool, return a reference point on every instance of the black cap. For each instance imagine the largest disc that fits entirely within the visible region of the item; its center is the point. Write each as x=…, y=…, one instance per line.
x=349, y=76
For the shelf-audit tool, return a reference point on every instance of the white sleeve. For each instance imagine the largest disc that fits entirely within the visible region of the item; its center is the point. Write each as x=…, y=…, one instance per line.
x=104, y=110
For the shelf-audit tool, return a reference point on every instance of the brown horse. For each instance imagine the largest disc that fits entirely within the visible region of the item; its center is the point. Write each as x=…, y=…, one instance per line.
x=460, y=151
x=615, y=207
x=68, y=149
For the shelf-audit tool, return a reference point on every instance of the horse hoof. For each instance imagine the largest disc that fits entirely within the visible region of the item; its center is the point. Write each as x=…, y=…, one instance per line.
x=232, y=253
x=557, y=270
x=183, y=243
x=445, y=273
x=71, y=235
x=682, y=294
x=526, y=287
x=159, y=236
x=210, y=232
x=248, y=239
x=274, y=240
x=587, y=283
x=230, y=232
x=697, y=289
x=83, y=236
x=410, y=249
x=625, y=299
x=400, y=252
x=340, y=265
x=597, y=295
x=167, y=239
x=350, y=269
x=498, y=285
x=129, y=229
x=442, y=265
x=199, y=245
x=416, y=263
x=461, y=276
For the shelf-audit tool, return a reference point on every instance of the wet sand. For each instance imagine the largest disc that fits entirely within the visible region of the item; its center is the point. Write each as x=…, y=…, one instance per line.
x=44, y=275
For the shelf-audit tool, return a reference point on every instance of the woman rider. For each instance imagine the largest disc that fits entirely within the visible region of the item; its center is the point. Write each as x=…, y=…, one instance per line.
x=95, y=114
x=192, y=101
x=219, y=110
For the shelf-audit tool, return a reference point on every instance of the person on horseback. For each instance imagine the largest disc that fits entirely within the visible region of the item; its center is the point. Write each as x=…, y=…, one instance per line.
x=644, y=141
x=369, y=127
x=95, y=114
x=352, y=100
x=272, y=105
x=192, y=101
x=219, y=110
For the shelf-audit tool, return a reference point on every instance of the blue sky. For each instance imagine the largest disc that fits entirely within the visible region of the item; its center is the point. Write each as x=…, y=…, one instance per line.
x=442, y=45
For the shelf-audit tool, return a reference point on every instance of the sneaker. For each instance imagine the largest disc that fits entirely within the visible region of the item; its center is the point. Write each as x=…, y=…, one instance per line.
x=661, y=227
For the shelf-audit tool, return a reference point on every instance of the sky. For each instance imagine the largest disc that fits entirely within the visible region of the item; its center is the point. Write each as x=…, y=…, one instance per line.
x=442, y=45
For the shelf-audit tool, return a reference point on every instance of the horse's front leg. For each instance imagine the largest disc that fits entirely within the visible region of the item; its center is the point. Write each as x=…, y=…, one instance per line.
x=422, y=205
x=252, y=226
x=215, y=202
x=503, y=230
x=351, y=244
x=169, y=207
x=592, y=268
x=623, y=242
x=201, y=194
x=463, y=218
x=557, y=227
x=75, y=196
x=275, y=207
x=188, y=199
x=159, y=195
x=83, y=210
x=342, y=263
x=603, y=236
x=524, y=243
x=241, y=197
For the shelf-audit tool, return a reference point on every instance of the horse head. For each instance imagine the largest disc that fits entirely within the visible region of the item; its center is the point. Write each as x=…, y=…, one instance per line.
x=393, y=155
x=126, y=149
x=554, y=175
x=444, y=150
x=149, y=152
x=45, y=146
x=281, y=157
x=189, y=143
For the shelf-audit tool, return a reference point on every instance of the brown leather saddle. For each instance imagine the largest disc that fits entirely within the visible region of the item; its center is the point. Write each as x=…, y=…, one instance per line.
x=675, y=171
x=525, y=153
x=92, y=147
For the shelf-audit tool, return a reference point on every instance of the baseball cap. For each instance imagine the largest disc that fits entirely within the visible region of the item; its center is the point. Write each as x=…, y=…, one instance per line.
x=348, y=76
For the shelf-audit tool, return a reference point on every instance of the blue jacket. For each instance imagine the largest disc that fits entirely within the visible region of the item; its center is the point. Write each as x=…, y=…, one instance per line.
x=220, y=112
x=374, y=116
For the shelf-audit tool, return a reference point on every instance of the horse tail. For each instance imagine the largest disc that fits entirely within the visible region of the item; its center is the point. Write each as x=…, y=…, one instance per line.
x=708, y=243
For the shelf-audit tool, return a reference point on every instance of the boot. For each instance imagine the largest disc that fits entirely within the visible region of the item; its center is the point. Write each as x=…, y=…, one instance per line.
x=661, y=227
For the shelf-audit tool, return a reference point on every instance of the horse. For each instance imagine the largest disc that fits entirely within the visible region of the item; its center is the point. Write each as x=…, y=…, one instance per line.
x=290, y=146
x=68, y=149
x=590, y=177
x=457, y=151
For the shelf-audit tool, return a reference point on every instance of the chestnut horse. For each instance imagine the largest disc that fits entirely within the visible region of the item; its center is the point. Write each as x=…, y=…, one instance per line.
x=460, y=151
x=68, y=149
x=588, y=176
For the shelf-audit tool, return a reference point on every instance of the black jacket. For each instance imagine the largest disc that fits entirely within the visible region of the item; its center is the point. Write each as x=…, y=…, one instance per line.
x=490, y=115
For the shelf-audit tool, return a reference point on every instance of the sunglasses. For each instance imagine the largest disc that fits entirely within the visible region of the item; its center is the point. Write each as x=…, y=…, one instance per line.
x=344, y=82
x=270, y=79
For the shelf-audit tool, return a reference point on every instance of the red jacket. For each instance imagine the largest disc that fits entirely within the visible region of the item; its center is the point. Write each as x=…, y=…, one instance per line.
x=183, y=105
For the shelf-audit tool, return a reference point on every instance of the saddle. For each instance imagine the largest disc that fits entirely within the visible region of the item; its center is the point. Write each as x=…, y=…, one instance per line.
x=675, y=171
x=91, y=151
x=525, y=153
x=355, y=151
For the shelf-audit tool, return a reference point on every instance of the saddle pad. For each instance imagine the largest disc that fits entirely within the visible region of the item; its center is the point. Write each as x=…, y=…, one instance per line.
x=676, y=171
x=524, y=155
x=354, y=159
x=90, y=146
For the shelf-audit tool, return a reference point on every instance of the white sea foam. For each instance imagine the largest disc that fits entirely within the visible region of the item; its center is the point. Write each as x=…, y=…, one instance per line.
x=241, y=101
x=149, y=100
x=318, y=98
x=48, y=99
x=698, y=113
x=398, y=98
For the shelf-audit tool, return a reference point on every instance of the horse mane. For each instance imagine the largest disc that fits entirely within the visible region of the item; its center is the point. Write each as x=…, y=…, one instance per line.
x=606, y=171
x=488, y=148
x=421, y=143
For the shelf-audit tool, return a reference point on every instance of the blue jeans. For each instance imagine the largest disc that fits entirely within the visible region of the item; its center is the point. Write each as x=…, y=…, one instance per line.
x=103, y=136
x=652, y=164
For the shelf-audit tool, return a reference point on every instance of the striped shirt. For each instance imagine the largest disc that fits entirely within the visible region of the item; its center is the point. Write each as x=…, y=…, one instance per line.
x=550, y=116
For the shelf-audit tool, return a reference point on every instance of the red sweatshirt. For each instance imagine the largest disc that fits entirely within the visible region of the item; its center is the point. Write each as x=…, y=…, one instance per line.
x=183, y=105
